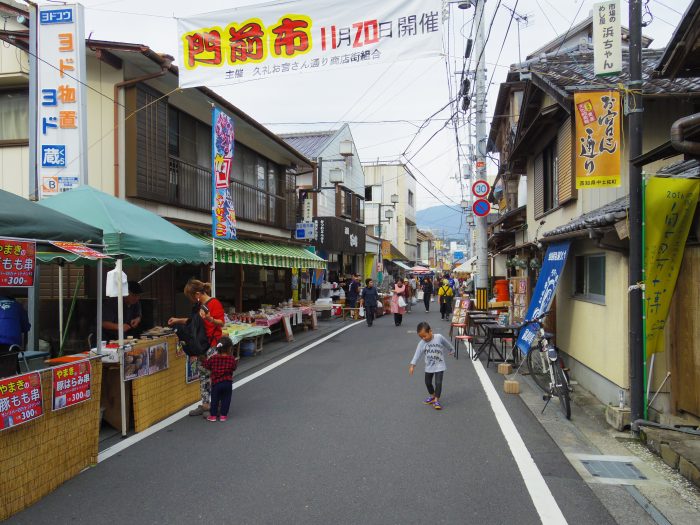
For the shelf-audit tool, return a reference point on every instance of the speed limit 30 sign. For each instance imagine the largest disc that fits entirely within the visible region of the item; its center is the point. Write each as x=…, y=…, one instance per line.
x=481, y=188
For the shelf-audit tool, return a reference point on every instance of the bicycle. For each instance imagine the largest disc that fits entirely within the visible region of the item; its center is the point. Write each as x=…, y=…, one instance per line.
x=546, y=368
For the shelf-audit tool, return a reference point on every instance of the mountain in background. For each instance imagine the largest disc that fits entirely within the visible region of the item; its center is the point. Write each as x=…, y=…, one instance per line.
x=442, y=218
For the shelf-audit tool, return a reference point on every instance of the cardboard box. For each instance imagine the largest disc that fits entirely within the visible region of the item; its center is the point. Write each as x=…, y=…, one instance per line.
x=505, y=369
x=511, y=387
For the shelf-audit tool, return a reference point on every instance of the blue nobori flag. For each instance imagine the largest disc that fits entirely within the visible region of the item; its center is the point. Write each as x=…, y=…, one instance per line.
x=546, y=287
x=222, y=212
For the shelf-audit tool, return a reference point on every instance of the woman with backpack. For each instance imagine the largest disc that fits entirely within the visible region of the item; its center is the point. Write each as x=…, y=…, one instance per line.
x=445, y=295
x=211, y=312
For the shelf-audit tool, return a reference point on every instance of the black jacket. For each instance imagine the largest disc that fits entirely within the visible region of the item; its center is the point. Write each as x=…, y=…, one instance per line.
x=370, y=296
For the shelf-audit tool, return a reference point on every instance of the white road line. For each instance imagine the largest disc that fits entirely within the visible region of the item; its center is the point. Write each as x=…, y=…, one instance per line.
x=127, y=442
x=541, y=496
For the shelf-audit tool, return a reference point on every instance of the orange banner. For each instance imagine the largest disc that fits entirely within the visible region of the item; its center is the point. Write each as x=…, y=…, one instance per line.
x=597, y=143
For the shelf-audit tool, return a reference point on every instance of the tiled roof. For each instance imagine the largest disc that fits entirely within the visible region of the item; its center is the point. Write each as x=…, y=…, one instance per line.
x=575, y=68
x=686, y=169
x=311, y=143
x=604, y=216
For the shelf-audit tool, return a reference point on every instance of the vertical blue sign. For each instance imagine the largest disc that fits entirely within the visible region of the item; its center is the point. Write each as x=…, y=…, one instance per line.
x=546, y=287
x=222, y=145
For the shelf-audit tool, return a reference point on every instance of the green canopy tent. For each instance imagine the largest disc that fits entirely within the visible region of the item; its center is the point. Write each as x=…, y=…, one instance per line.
x=25, y=219
x=22, y=219
x=130, y=231
x=133, y=233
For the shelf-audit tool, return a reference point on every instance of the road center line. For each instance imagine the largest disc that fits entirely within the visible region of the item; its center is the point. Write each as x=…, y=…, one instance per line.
x=132, y=440
x=541, y=496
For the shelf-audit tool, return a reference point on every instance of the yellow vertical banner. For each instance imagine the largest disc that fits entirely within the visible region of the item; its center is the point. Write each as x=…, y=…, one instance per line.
x=670, y=207
x=597, y=143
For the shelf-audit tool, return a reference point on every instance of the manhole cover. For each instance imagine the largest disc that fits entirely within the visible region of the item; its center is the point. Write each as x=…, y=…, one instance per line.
x=612, y=469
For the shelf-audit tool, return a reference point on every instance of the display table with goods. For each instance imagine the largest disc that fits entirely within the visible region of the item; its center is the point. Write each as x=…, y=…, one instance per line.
x=38, y=410
x=287, y=315
x=159, y=379
x=247, y=338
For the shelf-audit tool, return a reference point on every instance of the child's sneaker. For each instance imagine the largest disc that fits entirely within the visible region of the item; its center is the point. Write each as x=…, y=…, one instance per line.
x=211, y=418
x=223, y=418
x=437, y=405
x=429, y=400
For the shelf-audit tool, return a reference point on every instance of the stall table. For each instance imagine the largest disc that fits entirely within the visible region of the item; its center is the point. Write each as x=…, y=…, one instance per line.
x=494, y=331
x=155, y=393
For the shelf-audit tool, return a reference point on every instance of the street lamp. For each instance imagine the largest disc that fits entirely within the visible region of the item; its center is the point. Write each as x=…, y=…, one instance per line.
x=389, y=214
x=394, y=198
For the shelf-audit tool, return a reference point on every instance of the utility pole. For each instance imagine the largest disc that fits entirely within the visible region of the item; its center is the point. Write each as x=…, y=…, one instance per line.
x=481, y=140
x=636, y=348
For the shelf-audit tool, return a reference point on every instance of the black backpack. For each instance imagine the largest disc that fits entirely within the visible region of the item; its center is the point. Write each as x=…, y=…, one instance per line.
x=194, y=336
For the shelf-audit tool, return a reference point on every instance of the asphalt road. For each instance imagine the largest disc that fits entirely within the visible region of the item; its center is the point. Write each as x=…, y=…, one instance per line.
x=336, y=435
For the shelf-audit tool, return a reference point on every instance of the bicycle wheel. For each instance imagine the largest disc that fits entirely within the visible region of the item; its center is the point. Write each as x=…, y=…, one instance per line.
x=538, y=365
x=561, y=390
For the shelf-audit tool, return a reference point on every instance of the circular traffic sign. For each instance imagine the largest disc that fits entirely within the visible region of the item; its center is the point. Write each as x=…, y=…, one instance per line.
x=481, y=207
x=481, y=188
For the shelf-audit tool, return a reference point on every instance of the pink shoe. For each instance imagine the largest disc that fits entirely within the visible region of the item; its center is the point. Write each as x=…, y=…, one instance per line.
x=223, y=418
x=211, y=418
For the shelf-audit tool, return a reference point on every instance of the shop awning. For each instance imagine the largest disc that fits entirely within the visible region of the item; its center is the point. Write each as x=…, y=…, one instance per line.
x=466, y=267
x=25, y=219
x=130, y=230
x=263, y=253
x=402, y=265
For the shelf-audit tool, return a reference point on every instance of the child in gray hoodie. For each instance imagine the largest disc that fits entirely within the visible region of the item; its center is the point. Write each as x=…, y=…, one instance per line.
x=434, y=346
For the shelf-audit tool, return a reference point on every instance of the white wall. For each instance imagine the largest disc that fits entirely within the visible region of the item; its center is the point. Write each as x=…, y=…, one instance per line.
x=354, y=176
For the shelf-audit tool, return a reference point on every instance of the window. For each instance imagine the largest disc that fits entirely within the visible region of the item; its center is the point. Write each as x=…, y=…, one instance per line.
x=410, y=198
x=189, y=139
x=589, y=275
x=368, y=193
x=347, y=202
x=359, y=209
x=550, y=166
x=14, y=115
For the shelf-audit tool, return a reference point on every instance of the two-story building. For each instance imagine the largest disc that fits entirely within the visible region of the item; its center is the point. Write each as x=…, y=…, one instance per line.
x=150, y=142
x=333, y=196
x=534, y=137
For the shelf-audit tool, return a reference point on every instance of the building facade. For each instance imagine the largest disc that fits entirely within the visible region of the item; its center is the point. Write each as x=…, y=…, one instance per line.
x=392, y=188
x=333, y=197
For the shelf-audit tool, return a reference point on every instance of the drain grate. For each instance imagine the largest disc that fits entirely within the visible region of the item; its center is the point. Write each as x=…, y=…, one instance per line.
x=612, y=469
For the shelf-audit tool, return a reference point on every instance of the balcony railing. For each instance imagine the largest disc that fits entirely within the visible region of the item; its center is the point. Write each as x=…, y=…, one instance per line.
x=190, y=187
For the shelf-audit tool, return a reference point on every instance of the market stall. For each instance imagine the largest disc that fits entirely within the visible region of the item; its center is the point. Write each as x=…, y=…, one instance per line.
x=41, y=411
x=137, y=236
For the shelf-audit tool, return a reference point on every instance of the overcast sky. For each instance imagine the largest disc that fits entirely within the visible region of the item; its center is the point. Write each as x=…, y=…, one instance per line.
x=370, y=97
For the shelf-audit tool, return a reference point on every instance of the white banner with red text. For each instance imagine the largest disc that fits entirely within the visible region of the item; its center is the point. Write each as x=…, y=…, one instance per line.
x=277, y=38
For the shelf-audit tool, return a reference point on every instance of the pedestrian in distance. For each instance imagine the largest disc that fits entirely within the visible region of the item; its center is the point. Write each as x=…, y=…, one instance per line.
x=433, y=347
x=221, y=366
x=408, y=293
x=353, y=293
x=398, y=302
x=445, y=295
x=368, y=300
x=427, y=292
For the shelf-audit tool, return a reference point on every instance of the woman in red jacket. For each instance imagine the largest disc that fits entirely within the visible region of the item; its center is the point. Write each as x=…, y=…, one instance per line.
x=211, y=311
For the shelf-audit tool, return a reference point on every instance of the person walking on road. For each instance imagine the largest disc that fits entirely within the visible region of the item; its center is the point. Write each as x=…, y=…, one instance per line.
x=445, y=295
x=433, y=347
x=368, y=300
x=398, y=302
x=408, y=293
x=427, y=292
x=353, y=293
x=212, y=313
x=221, y=366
